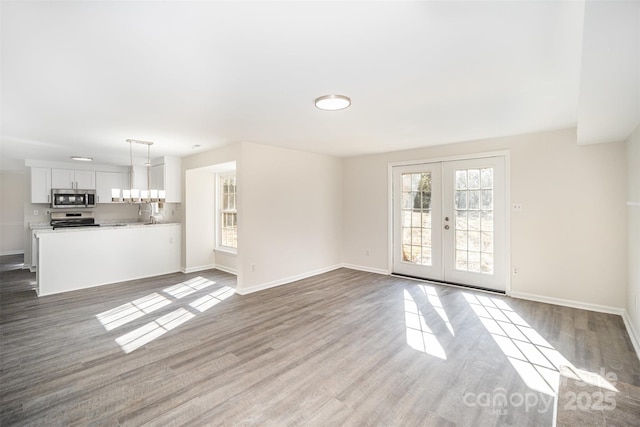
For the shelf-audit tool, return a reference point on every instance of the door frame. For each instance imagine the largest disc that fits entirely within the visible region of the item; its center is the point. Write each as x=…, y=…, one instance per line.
x=506, y=154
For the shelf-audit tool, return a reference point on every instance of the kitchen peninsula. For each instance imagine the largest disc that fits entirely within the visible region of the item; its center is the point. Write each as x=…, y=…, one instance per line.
x=78, y=258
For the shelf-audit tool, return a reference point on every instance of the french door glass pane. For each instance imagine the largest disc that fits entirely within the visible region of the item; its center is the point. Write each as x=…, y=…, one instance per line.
x=473, y=203
x=416, y=218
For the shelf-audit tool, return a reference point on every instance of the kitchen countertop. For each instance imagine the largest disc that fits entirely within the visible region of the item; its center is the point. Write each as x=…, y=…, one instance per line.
x=35, y=225
x=103, y=226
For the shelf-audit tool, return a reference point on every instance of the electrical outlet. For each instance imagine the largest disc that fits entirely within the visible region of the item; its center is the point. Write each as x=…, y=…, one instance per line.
x=516, y=271
x=47, y=212
x=367, y=252
x=516, y=207
x=253, y=267
x=35, y=212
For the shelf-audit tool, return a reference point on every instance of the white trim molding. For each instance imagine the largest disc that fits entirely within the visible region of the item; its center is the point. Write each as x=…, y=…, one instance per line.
x=286, y=280
x=226, y=269
x=197, y=268
x=18, y=252
x=366, y=269
x=631, y=331
x=468, y=156
x=569, y=303
x=633, y=334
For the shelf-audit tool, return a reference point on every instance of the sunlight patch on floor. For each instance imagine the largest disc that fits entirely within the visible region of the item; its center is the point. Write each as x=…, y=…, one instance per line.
x=188, y=287
x=536, y=361
x=125, y=313
x=419, y=336
x=152, y=330
x=206, y=302
x=434, y=300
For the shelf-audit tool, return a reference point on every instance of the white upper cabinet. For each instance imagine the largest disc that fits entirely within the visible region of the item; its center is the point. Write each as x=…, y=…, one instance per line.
x=106, y=181
x=63, y=178
x=165, y=173
x=140, y=178
x=70, y=178
x=167, y=176
x=40, y=185
x=157, y=177
x=86, y=180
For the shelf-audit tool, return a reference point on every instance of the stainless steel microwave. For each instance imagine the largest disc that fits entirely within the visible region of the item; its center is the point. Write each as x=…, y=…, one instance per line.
x=70, y=198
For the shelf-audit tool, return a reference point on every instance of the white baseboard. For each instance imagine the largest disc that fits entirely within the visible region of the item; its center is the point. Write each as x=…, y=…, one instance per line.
x=286, y=280
x=226, y=269
x=198, y=268
x=11, y=253
x=365, y=268
x=569, y=303
x=633, y=334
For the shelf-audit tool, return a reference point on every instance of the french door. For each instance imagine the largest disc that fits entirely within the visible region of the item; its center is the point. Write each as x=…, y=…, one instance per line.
x=449, y=221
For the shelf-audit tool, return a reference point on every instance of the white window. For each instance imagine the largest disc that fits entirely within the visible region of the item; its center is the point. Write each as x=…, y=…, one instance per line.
x=227, y=229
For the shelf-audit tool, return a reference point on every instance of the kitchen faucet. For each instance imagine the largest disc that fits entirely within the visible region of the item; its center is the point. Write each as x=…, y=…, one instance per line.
x=153, y=219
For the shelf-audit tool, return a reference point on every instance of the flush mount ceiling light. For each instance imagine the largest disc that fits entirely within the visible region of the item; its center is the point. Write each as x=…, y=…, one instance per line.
x=333, y=102
x=82, y=158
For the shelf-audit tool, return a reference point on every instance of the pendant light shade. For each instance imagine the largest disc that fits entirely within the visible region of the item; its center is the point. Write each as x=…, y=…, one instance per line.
x=138, y=195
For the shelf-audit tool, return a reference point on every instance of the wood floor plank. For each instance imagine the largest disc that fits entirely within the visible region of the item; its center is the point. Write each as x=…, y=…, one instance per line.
x=342, y=348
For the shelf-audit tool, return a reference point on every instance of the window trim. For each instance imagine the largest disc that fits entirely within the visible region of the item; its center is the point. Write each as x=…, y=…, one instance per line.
x=218, y=213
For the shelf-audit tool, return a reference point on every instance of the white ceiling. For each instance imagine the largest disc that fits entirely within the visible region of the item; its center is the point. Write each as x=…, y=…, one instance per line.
x=79, y=78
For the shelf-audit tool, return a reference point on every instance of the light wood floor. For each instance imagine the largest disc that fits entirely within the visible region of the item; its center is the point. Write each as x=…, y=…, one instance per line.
x=341, y=348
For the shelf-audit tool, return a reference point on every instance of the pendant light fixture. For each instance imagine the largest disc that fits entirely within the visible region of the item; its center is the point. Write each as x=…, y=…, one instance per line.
x=137, y=195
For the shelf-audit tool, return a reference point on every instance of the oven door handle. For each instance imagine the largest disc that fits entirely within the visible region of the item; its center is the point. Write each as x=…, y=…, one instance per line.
x=86, y=200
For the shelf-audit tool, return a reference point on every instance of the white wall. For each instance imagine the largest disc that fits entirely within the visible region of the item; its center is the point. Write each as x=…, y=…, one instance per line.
x=633, y=233
x=12, y=184
x=198, y=209
x=568, y=243
x=200, y=219
x=200, y=227
x=291, y=223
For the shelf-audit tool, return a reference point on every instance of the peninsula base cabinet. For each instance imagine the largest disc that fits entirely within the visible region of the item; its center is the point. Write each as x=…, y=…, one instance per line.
x=104, y=255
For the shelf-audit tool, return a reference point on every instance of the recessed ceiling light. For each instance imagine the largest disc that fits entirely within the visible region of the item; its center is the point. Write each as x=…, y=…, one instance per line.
x=195, y=146
x=82, y=158
x=333, y=102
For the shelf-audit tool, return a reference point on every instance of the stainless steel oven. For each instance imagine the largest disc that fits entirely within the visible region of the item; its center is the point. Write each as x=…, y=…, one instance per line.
x=70, y=198
x=73, y=219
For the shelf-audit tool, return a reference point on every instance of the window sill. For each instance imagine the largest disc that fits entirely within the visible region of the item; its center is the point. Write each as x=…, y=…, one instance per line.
x=228, y=251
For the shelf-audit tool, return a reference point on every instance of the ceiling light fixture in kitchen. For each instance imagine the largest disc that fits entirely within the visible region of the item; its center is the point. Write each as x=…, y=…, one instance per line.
x=136, y=195
x=82, y=158
x=333, y=102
